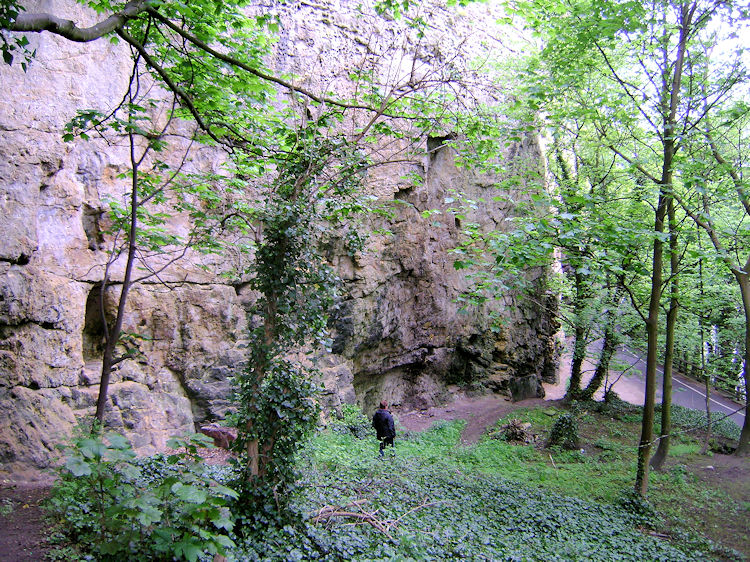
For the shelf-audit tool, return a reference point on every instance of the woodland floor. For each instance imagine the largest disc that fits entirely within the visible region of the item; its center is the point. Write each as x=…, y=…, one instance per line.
x=727, y=473
x=23, y=529
x=22, y=526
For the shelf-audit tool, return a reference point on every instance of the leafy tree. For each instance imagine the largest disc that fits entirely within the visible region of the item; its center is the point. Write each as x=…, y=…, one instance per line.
x=716, y=199
x=138, y=228
x=651, y=99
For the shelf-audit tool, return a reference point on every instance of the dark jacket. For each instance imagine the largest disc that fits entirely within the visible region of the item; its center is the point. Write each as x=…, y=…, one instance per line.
x=382, y=421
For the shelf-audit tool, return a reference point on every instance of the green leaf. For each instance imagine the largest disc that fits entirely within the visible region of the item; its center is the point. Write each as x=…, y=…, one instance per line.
x=189, y=493
x=92, y=448
x=117, y=441
x=77, y=466
x=225, y=491
x=149, y=515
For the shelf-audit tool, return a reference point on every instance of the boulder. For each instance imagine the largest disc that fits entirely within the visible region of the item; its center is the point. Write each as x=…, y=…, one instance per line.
x=223, y=436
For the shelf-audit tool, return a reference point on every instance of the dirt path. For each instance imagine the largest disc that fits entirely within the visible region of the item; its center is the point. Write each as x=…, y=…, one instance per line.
x=480, y=413
x=22, y=526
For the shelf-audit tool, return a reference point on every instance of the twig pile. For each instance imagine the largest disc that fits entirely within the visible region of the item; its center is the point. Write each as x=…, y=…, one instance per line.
x=356, y=511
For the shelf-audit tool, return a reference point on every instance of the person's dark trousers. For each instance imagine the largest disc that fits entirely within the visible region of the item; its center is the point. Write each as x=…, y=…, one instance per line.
x=386, y=441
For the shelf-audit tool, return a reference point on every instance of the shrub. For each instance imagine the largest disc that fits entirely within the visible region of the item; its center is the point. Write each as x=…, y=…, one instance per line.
x=515, y=431
x=564, y=432
x=353, y=421
x=119, y=507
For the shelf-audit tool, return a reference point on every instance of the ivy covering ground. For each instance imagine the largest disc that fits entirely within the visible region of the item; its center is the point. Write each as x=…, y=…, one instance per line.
x=433, y=500
x=430, y=499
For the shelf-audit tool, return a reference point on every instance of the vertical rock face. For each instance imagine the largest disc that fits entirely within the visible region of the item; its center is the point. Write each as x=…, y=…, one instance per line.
x=401, y=329
x=398, y=333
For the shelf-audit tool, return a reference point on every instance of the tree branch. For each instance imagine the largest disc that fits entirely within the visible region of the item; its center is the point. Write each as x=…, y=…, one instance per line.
x=36, y=23
x=254, y=71
x=736, y=180
x=637, y=166
x=171, y=85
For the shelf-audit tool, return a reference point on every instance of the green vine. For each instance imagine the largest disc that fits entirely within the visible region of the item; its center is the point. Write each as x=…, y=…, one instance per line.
x=276, y=393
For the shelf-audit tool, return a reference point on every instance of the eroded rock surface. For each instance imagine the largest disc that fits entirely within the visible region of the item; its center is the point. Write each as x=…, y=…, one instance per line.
x=398, y=333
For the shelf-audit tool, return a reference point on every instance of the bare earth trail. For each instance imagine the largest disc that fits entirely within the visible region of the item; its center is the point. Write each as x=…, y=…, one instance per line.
x=22, y=527
x=483, y=412
x=480, y=414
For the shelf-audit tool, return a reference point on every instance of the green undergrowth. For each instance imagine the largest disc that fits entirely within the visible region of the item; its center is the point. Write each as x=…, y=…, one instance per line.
x=410, y=507
x=435, y=499
x=686, y=418
x=432, y=498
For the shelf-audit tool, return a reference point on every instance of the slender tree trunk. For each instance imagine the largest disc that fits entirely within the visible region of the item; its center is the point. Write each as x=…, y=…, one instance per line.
x=707, y=384
x=743, y=278
x=666, y=401
x=609, y=345
x=652, y=331
x=579, y=343
x=706, y=378
x=113, y=334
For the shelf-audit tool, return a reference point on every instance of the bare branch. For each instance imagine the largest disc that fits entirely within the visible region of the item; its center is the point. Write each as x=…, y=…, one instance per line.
x=36, y=23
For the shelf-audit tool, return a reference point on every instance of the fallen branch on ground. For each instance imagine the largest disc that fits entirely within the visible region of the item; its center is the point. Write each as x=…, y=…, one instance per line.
x=385, y=526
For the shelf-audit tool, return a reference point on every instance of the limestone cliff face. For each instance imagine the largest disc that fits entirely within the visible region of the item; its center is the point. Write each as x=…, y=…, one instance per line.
x=398, y=333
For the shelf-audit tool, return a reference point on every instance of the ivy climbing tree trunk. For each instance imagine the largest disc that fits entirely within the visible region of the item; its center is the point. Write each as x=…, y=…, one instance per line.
x=580, y=339
x=609, y=346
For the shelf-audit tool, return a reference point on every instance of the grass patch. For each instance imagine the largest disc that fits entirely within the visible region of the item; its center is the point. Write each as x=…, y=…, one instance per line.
x=433, y=502
x=437, y=499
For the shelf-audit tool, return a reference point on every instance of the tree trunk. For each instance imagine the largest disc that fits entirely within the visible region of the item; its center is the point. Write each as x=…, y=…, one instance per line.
x=609, y=345
x=666, y=401
x=259, y=454
x=579, y=343
x=576, y=365
x=652, y=330
x=743, y=279
x=707, y=441
x=113, y=334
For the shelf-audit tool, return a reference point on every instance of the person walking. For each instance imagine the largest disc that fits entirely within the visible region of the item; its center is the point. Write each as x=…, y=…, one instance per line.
x=382, y=421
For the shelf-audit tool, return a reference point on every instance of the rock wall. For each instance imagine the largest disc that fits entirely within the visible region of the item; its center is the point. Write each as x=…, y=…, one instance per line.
x=398, y=333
